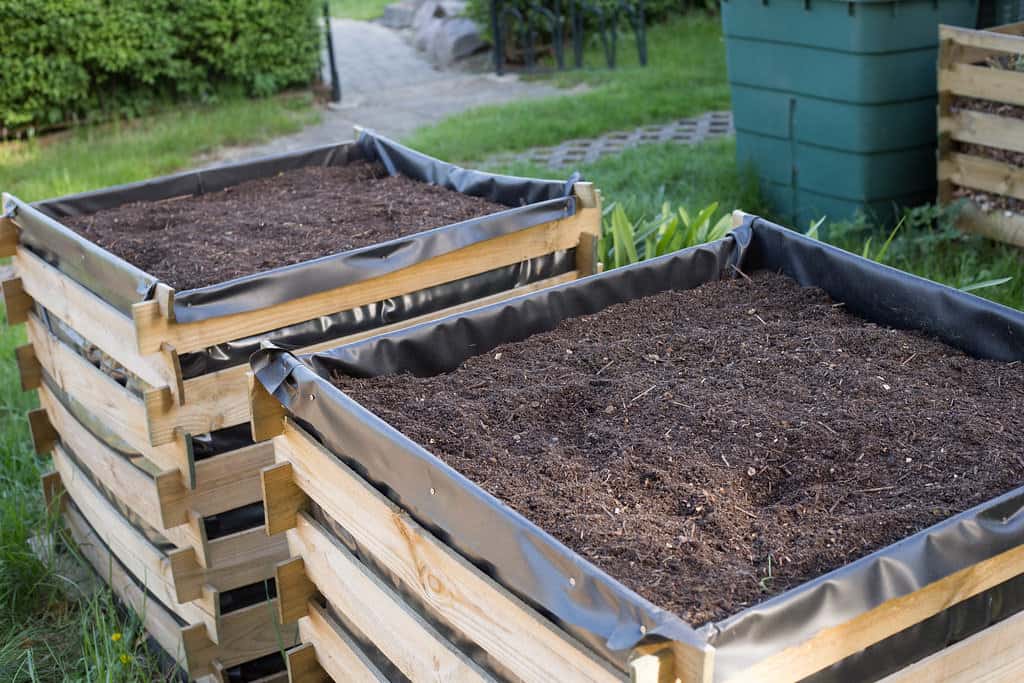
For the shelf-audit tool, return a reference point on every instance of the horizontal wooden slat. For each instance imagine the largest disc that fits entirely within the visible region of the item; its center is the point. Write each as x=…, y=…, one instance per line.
x=995, y=655
x=980, y=128
x=983, y=174
x=233, y=561
x=118, y=409
x=336, y=652
x=218, y=399
x=227, y=481
x=376, y=611
x=997, y=85
x=997, y=225
x=455, y=591
x=152, y=329
x=251, y=632
x=146, y=562
x=838, y=642
x=91, y=317
x=987, y=41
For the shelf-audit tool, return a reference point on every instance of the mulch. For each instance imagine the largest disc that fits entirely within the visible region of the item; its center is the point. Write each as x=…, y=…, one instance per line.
x=296, y=216
x=713, y=447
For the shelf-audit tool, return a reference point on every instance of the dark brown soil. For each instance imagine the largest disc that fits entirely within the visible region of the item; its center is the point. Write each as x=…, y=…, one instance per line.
x=712, y=447
x=201, y=240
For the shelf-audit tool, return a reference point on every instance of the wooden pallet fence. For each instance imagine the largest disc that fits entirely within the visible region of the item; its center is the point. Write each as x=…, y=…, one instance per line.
x=964, y=73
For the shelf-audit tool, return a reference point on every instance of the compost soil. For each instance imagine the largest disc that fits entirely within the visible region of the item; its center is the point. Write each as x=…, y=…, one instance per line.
x=712, y=447
x=194, y=241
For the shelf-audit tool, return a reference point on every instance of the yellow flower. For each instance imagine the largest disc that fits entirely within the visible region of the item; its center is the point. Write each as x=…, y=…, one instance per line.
x=115, y=637
x=124, y=659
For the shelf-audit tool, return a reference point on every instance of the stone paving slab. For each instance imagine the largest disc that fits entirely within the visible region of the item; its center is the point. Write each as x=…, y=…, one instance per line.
x=691, y=131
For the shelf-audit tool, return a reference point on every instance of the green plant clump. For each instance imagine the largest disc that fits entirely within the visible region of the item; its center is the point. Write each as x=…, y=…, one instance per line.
x=68, y=60
x=625, y=241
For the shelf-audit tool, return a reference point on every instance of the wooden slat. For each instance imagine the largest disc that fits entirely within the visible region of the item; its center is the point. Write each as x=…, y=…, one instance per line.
x=303, y=667
x=29, y=369
x=8, y=237
x=997, y=225
x=985, y=40
x=146, y=562
x=251, y=632
x=523, y=641
x=838, y=642
x=336, y=651
x=156, y=618
x=17, y=302
x=382, y=616
x=282, y=498
x=44, y=436
x=995, y=655
x=266, y=412
x=983, y=174
x=226, y=481
x=1016, y=28
x=980, y=128
x=117, y=408
x=294, y=590
x=152, y=329
x=998, y=85
x=91, y=317
x=134, y=487
x=218, y=399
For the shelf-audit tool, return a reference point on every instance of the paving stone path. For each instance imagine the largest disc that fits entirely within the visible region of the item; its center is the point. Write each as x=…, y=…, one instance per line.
x=570, y=153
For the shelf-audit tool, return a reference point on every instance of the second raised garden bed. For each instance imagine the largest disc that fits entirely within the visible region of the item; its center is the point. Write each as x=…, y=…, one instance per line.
x=717, y=475
x=981, y=128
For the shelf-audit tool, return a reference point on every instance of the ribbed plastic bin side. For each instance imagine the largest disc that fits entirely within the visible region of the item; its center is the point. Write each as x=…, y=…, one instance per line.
x=834, y=102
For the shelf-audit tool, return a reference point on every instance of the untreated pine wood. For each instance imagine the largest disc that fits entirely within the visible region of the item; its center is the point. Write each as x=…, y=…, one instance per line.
x=92, y=317
x=415, y=647
x=336, y=652
x=282, y=498
x=985, y=41
x=983, y=174
x=982, y=128
x=982, y=82
x=996, y=225
x=455, y=591
x=44, y=436
x=234, y=561
x=303, y=666
x=294, y=590
x=17, y=302
x=219, y=399
x=831, y=645
x=994, y=655
x=29, y=370
x=8, y=237
x=152, y=329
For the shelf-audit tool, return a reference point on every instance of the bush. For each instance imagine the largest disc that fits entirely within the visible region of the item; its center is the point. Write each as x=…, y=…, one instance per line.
x=64, y=60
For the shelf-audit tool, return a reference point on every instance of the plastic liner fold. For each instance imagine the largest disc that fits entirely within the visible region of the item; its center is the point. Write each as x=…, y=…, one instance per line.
x=122, y=284
x=598, y=609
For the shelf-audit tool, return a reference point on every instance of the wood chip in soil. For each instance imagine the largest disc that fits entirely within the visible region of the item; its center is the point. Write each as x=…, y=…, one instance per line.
x=293, y=217
x=713, y=447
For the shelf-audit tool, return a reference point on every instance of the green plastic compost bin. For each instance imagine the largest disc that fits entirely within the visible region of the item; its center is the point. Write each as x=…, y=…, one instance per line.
x=834, y=102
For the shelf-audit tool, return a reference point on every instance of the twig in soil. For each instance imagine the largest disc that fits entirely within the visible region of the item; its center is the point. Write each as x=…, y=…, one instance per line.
x=642, y=394
x=725, y=461
x=605, y=367
x=831, y=431
x=912, y=357
x=748, y=513
x=761, y=319
x=745, y=276
x=875, y=490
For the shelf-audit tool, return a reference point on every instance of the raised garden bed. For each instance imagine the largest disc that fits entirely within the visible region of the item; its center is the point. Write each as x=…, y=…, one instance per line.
x=981, y=128
x=882, y=479
x=142, y=317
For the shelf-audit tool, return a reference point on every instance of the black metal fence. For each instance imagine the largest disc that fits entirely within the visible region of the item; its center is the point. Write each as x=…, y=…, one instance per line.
x=558, y=23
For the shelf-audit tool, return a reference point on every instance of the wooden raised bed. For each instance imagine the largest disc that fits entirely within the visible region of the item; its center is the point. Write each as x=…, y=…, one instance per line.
x=364, y=570
x=965, y=73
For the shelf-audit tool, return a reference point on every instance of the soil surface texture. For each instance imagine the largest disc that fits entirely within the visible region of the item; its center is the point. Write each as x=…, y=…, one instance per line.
x=712, y=447
x=296, y=216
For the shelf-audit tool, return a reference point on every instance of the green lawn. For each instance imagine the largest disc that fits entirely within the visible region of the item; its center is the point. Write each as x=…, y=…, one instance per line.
x=359, y=9
x=685, y=76
x=46, y=634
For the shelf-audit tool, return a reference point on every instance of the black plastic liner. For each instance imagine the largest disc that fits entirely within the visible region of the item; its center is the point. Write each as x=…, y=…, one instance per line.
x=598, y=609
x=122, y=284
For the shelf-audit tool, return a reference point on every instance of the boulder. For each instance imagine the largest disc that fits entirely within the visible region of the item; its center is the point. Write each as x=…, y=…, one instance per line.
x=399, y=15
x=457, y=38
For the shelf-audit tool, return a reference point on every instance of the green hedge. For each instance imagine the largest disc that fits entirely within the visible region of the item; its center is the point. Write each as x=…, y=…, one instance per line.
x=63, y=60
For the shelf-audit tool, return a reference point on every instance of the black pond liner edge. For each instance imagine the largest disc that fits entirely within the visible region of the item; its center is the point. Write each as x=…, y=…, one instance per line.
x=598, y=609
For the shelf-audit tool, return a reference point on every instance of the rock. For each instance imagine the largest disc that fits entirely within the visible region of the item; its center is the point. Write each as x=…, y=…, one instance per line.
x=458, y=38
x=400, y=14
x=426, y=35
x=426, y=14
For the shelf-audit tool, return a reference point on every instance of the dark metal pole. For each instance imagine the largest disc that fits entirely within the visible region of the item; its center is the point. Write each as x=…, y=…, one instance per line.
x=335, y=81
x=496, y=37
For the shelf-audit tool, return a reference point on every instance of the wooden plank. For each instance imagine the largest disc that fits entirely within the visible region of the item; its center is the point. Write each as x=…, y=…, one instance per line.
x=970, y=45
x=455, y=591
x=1002, y=226
x=219, y=399
x=252, y=632
x=251, y=562
x=44, y=436
x=8, y=237
x=983, y=174
x=376, y=611
x=838, y=642
x=282, y=498
x=657, y=666
x=336, y=651
x=995, y=655
x=152, y=329
x=294, y=589
x=226, y=481
x=156, y=618
x=53, y=490
x=303, y=667
x=140, y=557
x=1016, y=28
x=981, y=128
x=91, y=317
x=118, y=409
x=985, y=83
x=267, y=413
x=29, y=370
x=17, y=302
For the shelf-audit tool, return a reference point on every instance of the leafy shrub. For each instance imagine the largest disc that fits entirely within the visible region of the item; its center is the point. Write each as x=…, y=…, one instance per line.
x=64, y=60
